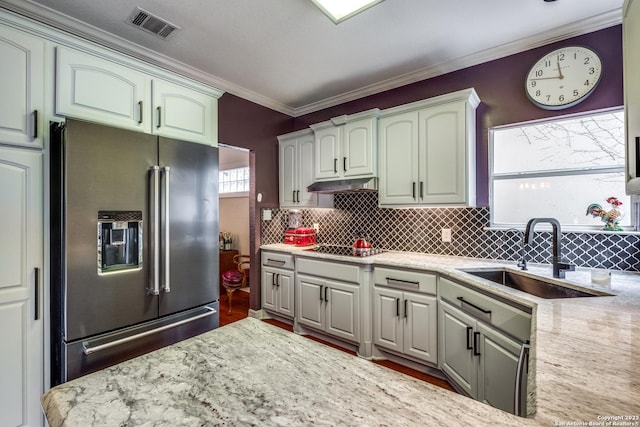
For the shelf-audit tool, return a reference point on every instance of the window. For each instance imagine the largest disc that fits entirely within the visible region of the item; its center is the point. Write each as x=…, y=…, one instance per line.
x=557, y=168
x=234, y=180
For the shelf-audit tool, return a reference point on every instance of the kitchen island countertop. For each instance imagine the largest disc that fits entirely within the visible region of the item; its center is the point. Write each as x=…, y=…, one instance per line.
x=586, y=359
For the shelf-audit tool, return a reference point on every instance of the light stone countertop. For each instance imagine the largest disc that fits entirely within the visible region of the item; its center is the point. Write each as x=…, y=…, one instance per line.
x=586, y=360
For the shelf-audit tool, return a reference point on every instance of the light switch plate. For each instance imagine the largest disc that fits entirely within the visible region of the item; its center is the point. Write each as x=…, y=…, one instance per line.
x=266, y=214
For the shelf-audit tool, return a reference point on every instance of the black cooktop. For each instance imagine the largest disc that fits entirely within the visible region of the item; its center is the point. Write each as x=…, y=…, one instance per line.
x=343, y=250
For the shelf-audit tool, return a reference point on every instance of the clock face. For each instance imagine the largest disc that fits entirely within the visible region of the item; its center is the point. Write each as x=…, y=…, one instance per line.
x=564, y=77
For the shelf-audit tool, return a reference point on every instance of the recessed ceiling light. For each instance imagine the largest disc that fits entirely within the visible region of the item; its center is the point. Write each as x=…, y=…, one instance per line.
x=339, y=10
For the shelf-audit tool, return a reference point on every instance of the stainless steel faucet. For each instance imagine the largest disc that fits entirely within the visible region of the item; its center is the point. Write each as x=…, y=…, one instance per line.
x=559, y=268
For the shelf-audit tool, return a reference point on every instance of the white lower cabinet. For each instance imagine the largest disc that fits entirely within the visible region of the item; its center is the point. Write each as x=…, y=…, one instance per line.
x=278, y=283
x=21, y=289
x=328, y=298
x=406, y=323
x=482, y=361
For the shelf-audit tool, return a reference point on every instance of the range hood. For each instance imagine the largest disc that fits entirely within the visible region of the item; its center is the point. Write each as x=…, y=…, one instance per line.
x=344, y=186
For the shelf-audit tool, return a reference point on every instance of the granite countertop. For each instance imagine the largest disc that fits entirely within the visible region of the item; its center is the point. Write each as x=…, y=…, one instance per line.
x=586, y=360
x=253, y=373
x=586, y=351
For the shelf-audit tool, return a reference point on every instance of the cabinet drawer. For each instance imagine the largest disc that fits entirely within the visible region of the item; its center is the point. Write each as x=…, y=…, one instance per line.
x=278, y=260
x=330, y=270
x=405, y=279
x=492, y=311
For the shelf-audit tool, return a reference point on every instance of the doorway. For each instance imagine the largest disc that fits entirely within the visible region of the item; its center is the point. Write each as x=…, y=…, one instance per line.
x=235, y=174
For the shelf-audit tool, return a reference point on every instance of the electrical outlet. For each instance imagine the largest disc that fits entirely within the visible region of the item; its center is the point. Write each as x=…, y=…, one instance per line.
x=446, y=235
x=316, y=226
x=266, y=214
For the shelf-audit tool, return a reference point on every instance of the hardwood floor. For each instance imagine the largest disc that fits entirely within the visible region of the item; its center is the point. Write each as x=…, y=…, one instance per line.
x=240, y=310
x=239, y=307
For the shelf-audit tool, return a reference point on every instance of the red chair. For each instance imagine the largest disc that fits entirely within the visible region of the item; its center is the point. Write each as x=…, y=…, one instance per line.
x=232, y=280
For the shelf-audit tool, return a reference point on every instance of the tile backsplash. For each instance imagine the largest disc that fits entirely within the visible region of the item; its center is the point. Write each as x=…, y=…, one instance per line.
x=419, y=230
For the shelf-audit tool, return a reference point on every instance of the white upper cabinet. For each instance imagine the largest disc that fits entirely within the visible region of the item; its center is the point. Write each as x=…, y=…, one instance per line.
x=22, y=88
x=631, y=55
x=183, y=113
x=296, y=169
x=99, y=90
x=427, y=152
x=346, y=147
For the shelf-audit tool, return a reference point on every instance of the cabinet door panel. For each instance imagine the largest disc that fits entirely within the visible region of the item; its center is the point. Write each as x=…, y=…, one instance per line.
x=455, y=359
x=387, y=318
x=21, y=252
x=288, y=176
x=498, y=366
x=310, y=304
x=305, y=171
x=285, y=294
x=91, y=88
x=183, y=113
x=328, y=161
x=398, y=158
x=22, y=88
x=420, y=327
x=269, y=289
x=359, y=148
x=442, y=145
x=343, y=311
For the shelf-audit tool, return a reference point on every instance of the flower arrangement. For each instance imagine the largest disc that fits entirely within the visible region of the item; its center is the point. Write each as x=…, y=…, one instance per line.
x=610, y=217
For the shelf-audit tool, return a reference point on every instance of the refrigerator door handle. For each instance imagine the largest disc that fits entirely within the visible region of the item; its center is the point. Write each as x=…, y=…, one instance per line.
x=154, y=285
x=90, y=350
x=167, y=252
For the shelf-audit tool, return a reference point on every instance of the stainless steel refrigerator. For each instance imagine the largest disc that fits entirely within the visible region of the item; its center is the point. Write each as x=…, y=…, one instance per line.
x=134, y=244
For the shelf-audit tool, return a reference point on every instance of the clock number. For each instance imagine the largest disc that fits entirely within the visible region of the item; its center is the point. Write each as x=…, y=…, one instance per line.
x=538, y=92
x=561, y=98
x=561, y=57
x=547, y=63
x=587, y=60
x=538, y=73
x=548, y=97
x=533, y=83
x=575, y=92
x=586, y=82
x=592, y=70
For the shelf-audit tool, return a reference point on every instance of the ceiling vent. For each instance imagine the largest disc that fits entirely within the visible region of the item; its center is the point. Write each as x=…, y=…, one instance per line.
x=149, y=22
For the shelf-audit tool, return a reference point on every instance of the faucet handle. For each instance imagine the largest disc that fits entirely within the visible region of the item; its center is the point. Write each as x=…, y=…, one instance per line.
x=566, y=266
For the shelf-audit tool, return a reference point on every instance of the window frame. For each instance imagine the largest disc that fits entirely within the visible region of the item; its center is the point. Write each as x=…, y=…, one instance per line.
x=630, y=210
x=235, y=193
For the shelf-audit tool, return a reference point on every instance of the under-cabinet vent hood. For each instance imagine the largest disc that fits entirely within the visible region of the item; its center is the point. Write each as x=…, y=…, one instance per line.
x=344, y=186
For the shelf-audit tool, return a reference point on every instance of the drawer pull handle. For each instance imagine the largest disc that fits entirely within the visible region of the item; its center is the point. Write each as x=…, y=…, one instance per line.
x=463, y=301
x=397, y=307
x=390, y=281
x=469, y=346
x=335, y=165
x=326, y=298
x=35, y=124
x=523, y=361
x=321, y=293
x=140, y=112
x=405, y=309
x=344, y=163
x=275, y=261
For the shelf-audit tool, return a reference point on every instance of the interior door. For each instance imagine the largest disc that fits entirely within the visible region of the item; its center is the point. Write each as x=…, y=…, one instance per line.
x=106, y=169
x=190, y=188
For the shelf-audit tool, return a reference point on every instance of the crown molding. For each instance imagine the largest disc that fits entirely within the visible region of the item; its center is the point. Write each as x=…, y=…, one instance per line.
x=605, y=20
x=62, y=22
x=78, y=28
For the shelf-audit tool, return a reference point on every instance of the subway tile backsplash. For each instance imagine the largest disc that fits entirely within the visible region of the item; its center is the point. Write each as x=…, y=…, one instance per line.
x=419, y=230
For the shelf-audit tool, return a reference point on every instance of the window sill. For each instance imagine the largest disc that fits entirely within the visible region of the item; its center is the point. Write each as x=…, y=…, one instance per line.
x=565, y=229
x=230, y=195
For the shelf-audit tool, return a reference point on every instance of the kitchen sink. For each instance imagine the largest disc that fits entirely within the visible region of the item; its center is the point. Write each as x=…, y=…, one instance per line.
x=534, y=286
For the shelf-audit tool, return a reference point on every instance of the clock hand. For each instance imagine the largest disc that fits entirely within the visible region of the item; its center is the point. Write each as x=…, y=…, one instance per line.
x=560, y=71
x=547, y=78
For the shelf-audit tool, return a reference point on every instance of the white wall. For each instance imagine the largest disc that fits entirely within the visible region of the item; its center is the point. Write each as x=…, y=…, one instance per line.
x=234, y=218
x=234, y=211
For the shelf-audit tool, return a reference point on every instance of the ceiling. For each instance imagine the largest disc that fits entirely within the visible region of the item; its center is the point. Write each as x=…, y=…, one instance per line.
x=288, y=56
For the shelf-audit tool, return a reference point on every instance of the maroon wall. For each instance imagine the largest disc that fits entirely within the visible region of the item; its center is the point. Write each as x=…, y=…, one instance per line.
x=242, y=123
x=500, y=86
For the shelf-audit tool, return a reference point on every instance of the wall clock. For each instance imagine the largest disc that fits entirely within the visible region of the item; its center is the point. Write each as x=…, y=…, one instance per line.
x=564, y=77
